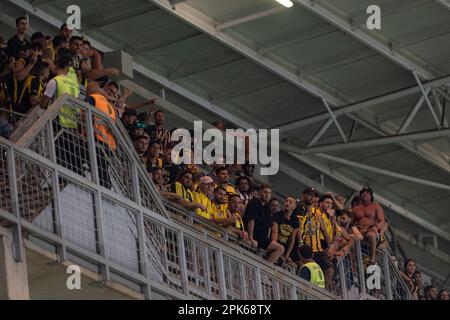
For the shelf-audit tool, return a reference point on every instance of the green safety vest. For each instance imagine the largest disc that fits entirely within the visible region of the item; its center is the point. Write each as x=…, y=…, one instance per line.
x=68, y=84
x=317, y=276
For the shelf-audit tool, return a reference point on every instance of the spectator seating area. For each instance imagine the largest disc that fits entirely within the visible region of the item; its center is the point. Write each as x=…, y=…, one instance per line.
x=308, y=233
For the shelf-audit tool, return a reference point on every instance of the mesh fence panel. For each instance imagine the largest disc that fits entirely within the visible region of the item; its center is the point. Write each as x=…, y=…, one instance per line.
x=251, y=290
x=285, y=290
x=35, y=194
x=233, y=280
x=196, y=255
x=113, y=163
x=147, y=197
x=70, y=140
x=5, y=194
x=268, y=287
x=121, y=235
x=40, y=143
x=79, y=215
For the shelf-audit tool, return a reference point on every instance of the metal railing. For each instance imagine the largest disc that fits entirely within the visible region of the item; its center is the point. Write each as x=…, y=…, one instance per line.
x=114, y=222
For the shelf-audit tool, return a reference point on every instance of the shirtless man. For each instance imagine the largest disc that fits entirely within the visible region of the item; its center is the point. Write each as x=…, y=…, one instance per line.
x=369, y=217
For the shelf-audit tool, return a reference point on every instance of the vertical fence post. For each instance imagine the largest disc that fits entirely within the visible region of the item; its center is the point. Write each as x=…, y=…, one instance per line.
x=17, y=234
x=387, y=275
x=97, y=196
x=360, y=267
x=342, y=278
x=183, y=265
x=222, y=284
x=259, y=293
x=62, y=256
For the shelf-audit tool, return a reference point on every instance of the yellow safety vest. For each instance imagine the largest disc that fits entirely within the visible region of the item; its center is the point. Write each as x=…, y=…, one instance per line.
x=317, y=276
x=68, y=84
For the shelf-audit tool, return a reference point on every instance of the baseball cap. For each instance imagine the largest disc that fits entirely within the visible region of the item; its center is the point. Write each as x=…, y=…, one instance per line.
x=206, y=180
x=142, y=136
x=308, y=190
x=140, y=125
x=37, y=35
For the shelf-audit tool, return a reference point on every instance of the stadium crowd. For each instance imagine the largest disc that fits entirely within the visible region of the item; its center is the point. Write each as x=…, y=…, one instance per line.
x=310, y=233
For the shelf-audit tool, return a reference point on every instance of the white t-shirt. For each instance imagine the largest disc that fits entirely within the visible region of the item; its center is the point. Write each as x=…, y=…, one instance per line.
x=50, y=90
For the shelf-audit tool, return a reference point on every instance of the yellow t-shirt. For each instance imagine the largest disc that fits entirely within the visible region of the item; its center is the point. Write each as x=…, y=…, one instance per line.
x=201, y=198
x=220, y=212
x=183, y=192
x=239, y=223
x=310, y=229
x=332, y=230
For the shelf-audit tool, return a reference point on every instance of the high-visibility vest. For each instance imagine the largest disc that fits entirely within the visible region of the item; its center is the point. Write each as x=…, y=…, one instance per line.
x=317, y=276
x=68, y=84
x=103, y=132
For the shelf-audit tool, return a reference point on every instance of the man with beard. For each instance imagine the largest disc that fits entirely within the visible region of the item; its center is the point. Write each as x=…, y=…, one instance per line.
x=157, y=132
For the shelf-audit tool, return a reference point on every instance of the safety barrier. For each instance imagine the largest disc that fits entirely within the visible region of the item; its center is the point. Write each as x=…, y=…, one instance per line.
x=72, y=191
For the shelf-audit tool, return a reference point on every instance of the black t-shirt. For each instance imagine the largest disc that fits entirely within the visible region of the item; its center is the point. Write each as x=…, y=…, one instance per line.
x=3, y=59
x=301, y=209
x=255, y=210
x=305, y=273
x=285, y=226
x=34, y=89
x=171, y=172
x=13, y=46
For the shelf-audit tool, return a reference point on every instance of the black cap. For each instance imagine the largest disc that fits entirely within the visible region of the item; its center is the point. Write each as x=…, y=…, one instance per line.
x=37, y=35
x=308, y=190
x=142, y=136
x=130, y=112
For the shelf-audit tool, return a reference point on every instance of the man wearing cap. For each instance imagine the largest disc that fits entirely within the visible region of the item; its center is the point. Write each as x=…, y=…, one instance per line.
x=203, y=196
x=369, y=217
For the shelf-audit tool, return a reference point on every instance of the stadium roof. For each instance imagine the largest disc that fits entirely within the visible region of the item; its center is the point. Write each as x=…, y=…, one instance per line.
x=255, y=63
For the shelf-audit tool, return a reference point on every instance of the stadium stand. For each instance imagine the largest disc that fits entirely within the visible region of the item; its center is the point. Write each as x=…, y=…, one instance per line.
x=73, y=146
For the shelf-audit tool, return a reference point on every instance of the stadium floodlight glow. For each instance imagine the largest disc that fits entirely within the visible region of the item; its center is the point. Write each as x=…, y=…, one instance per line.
x=286, y=3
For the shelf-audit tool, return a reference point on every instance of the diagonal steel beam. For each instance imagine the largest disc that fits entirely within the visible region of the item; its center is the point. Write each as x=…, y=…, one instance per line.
x=333, y=117
x=209, y=26
x=368, y=103
x=423, y=135
x=251, y=17
x=425, y=95
x=412, y=113
x=233, y=119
